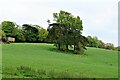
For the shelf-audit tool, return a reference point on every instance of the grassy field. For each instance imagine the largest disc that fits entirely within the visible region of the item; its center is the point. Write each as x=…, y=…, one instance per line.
x=44, y=61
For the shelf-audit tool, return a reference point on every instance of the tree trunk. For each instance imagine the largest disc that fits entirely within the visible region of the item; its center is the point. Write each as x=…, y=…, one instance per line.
x=67, y=46
x=74, y=43
x=67, y=41
x=58, y=46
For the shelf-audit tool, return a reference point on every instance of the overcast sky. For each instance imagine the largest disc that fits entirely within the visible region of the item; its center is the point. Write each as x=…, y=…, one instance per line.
x=100, y=17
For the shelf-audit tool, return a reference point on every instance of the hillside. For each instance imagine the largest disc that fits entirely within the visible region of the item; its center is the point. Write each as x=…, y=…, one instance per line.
x=33, y=57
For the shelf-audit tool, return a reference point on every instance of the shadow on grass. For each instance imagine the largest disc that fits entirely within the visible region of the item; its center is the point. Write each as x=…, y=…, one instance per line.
x=60, y=51
x=70, y=52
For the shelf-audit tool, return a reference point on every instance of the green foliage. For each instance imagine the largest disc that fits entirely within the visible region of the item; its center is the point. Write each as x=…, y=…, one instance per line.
x=46, y=60
x=110, y=46
x=18, y=34
x=95, y=42
x=8, y=27
x=42, y=34
x=117, y=48
x=48, y=21
x=30, y=32
x=79, y=48
x=2, y=35
x=101, y=44
x=34, y=33
x=66, y=31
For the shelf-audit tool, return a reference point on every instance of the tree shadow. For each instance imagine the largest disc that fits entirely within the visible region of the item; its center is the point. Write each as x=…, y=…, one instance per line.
x=70, y=52
x=61, y=51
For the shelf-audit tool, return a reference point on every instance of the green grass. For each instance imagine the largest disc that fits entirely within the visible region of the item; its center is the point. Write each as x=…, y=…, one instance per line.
x=44, y=60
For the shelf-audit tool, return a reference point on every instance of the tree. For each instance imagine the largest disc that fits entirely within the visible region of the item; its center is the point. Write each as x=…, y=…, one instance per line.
x=110, y=46
x=55, y=34
x=30, y=32
x=18, y=34
x=42, y=34
x=48, y=21
x=95, y=42
x=117, y=48
x=2, y=35
x=80, y=44
x=8, y=27
x=66, y=31
x=101, y=44
x=92, y=41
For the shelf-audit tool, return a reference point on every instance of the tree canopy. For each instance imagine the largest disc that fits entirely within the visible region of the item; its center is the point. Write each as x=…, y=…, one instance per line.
x=8, y=27
x=66, y=31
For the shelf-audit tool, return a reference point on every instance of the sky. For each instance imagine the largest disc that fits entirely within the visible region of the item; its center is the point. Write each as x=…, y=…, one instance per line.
x=100, y=17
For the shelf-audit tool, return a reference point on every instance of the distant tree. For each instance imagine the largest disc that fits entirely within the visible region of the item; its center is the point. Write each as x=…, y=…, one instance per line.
x=30, y=32
x=48, y=21
x=101, y=44
x=117, y=48
x=42, y=34
x=90, y=41
x=8, y=27
x=110, y=46
x=18, y=34
x=93, y=42
x=2, y=35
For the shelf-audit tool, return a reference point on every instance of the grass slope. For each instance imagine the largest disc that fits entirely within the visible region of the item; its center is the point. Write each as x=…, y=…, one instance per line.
x=45, y=60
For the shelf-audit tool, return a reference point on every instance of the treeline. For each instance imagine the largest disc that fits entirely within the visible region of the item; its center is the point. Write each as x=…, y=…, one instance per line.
x=95, y=42
x=36, y=33
x=24, y=33
x=65, y=32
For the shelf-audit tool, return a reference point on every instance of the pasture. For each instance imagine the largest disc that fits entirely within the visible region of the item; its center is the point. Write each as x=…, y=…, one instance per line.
x=45, y=61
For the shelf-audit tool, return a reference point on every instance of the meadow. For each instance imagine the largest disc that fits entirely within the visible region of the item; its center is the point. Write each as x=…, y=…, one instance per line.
x=43, y=60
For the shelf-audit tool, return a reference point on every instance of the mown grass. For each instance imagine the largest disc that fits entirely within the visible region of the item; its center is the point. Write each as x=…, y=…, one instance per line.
x=45, y=61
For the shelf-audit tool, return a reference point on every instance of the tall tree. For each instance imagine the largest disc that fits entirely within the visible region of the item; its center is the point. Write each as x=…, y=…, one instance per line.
x=8, y=27
x=30, y=32
x=55, y=34
x=42, y=34
x=66, y=31
x=18, y=34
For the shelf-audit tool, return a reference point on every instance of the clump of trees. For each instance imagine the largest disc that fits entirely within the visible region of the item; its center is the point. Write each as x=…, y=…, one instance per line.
x=24, y=33
x=95, y=42
x=66, y=31
x=42, y=34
